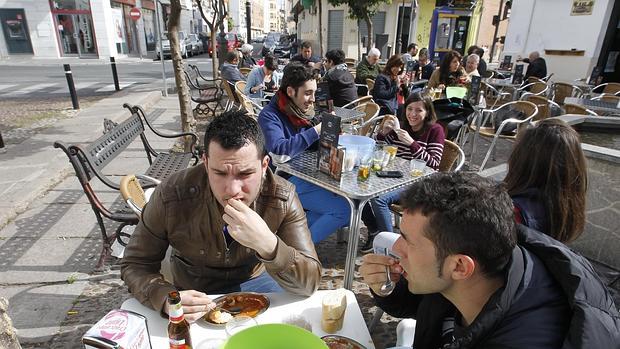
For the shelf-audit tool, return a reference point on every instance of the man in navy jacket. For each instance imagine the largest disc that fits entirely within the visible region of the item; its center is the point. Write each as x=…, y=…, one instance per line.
x=472, y=279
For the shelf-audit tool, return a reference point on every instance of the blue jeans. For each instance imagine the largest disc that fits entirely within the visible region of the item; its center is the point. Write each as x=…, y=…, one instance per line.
x=326, y=212
x=263, y=283
x=381, y=216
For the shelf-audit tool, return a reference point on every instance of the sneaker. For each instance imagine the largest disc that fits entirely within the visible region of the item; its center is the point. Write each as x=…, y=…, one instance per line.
x=367, y=247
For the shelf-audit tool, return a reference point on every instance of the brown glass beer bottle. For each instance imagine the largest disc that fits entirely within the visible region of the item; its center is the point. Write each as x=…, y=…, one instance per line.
x=178, y=327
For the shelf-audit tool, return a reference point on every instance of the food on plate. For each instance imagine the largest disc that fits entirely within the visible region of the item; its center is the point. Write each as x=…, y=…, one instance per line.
x=334, y=306
x=246, y=304
x=338, y=342
x=219, y=317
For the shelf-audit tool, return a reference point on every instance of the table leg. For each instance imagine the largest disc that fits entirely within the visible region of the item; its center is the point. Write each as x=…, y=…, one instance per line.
x=354, y=235
x=474, y=142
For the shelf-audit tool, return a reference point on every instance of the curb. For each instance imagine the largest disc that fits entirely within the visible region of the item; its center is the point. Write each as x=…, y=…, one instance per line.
x=58, y=167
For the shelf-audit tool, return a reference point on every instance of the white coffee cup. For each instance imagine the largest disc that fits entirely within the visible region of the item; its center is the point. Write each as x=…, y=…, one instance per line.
x=384, y=243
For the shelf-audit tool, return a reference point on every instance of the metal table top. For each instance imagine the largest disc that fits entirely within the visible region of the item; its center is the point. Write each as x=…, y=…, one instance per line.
x=348, y=115
x=304, y=166
x=597, y=105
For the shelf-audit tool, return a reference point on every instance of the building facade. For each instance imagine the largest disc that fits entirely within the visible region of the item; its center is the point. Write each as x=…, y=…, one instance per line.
x=82, y=28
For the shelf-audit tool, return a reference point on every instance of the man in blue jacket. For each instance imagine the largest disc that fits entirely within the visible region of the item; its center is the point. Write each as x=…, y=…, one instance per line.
x=473, y=279
x=290, y=128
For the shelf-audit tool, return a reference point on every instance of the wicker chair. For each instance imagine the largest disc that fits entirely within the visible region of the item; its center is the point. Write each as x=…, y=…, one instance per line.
x=371, y=120
x=371, y=84
x=245, y=70
x=528, y=108
x=609, y=87
x=578, y=109
x=561, y=90
x=233, y=98
x=247, y=103
x=134, y=194
x=606, y=97
x=358, y=102
x=544, y=106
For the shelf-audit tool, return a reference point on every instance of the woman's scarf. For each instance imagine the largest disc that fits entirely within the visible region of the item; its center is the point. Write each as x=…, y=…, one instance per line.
x=294, y=114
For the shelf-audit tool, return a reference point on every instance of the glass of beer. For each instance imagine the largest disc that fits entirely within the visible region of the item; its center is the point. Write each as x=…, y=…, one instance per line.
x=390, y=149
x=416, y=167
x=377, y=160
x=363, y=171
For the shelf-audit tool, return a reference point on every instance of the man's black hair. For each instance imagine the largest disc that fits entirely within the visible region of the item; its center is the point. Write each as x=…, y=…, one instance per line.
x=295, y=75
x=412, y=46
x=468, y=214
x=306, y=44
x=233, y=130
x=336, y=56
x=231, y=56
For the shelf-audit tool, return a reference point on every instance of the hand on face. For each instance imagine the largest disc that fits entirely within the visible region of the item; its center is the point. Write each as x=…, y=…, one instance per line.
x=195, y=305
x=404, y=136
x=373, y=270
x=249, y=229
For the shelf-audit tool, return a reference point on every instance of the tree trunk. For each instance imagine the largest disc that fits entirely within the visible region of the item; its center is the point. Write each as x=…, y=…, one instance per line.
x=370, y=34
x=214, y=61
x=188, y=123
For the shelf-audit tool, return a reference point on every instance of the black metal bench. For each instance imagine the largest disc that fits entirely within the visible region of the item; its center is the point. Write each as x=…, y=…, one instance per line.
x=88, y=161
x=203, y=91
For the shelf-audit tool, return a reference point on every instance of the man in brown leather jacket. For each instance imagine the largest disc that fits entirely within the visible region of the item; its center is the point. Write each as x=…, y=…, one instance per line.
x=231, y=223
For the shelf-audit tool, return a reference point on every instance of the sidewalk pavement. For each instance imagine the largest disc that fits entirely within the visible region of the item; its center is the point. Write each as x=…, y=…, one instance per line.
x=49, y=238
x=74, y=61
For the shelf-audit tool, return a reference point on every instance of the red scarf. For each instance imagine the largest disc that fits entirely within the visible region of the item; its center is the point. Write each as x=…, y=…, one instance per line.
x=284, y=105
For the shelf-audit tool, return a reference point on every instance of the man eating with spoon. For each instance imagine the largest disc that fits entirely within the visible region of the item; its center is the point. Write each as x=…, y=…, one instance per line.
x=232, y=225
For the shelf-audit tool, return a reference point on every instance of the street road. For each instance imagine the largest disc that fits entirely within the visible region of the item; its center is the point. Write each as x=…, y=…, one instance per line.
x=43, y=79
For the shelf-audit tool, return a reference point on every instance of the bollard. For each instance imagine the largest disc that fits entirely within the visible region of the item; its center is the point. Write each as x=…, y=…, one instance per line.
x=69, y=76
x=114, y=74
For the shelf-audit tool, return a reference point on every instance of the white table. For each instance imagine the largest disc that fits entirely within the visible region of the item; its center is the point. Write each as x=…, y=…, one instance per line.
x=282, y=306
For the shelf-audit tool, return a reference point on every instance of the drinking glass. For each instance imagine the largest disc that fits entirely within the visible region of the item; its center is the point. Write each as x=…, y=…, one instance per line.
x=238, y=324
x=392, y=150
x=377, y=159
x=363, y=171
x=416, y=167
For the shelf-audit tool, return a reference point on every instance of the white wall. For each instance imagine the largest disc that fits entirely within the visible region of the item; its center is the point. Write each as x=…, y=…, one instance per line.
x=536, y=25
x=104, y=33
x=40, y=27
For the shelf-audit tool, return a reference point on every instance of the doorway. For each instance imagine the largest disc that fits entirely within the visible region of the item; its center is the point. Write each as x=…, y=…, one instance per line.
x=75, y=32
x=15, y=30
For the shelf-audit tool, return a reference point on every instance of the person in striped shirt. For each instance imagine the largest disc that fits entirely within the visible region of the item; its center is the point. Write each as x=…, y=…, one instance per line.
x=420, y=137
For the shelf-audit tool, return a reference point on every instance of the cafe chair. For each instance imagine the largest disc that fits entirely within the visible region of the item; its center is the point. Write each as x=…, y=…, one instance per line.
x=529, y=110
x=493, y=97
x=608, y=87
x=358, y=102
x=233, y=97
x=350, y=63
x=134, y=194
x=561, y=90
x=546, y=78
x=245, y=71
x=362, y=90
x=606, y=97
x=371, y=120
x=371, y=84
x=546, y=107
x=251, y=105
x=570, y=108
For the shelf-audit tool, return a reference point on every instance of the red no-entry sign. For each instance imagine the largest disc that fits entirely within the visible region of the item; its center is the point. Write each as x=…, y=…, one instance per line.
x=135, y=13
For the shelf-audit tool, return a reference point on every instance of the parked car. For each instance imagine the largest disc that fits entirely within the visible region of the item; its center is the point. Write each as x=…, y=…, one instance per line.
x=283, y=47
x=233, y=41
x=271, y=40
x=185, y=45
x=196, y=44
x=258, y=40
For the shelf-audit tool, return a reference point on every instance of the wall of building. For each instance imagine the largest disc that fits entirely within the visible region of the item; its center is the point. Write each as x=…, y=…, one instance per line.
x=425, y=15
x=40, y=27
x=536, y=25
x=487, y=29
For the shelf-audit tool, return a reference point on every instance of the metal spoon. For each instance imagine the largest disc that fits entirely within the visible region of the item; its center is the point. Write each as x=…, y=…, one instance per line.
x=388, y=286
x=231, y=311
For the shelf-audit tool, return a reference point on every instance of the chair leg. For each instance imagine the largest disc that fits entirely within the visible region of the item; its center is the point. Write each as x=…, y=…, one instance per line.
x=488, y=154
x=376, y=317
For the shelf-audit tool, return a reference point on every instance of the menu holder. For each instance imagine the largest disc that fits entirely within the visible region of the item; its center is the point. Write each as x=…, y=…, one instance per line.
x=506, y=63
x=595, y=77
x=331, y=156
x=517, y=77
x=474, y=90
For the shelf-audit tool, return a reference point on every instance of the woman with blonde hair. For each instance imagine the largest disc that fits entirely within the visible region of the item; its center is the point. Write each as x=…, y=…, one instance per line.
x=547, y=180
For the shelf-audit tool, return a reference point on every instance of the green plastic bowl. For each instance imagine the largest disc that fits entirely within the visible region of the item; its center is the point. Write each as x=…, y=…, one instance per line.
x=274, y=336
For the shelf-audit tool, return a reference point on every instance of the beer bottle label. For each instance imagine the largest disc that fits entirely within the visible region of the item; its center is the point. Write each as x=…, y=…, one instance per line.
x=178, y=344
x=176, y=312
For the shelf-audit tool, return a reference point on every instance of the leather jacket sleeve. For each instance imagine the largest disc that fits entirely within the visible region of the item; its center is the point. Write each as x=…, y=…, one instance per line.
x=140, y=266
x=296, y=266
